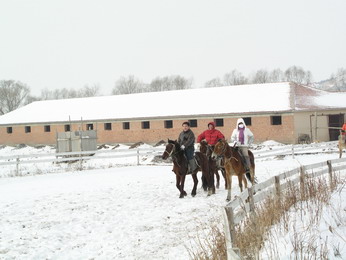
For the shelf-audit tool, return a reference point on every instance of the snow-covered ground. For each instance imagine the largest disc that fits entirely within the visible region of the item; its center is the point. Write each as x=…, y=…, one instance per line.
x=108, y=211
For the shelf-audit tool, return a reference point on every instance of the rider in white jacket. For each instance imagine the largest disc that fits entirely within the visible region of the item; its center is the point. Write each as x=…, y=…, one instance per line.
x=243, y=138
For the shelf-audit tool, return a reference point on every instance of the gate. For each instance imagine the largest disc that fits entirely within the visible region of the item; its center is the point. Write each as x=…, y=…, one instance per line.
x=335, y=121
x=76, y=141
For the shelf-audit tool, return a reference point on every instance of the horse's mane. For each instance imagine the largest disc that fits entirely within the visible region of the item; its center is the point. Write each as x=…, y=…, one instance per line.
x=175, y=143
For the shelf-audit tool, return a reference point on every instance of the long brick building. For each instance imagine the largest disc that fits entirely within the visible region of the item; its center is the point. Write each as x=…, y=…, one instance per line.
x=277, y=111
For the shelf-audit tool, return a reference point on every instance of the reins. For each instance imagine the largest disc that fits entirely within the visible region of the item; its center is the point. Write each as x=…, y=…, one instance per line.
x=172, y=153
x=224, y=151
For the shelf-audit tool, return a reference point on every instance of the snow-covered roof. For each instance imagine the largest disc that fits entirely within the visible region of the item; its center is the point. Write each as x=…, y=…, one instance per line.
x=256, y=98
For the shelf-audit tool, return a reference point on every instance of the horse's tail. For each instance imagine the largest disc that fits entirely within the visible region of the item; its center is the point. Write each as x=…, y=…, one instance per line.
x=248, y=176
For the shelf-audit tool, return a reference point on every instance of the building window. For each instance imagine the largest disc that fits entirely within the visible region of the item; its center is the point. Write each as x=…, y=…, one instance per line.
x=247, y=121
x=89, y=126
x=28, y=129
x=108, y=126
x=193, y=122
x=218, y=121
x=9, y=130
x=67, y=128
x=126, y=125
x=46, y=128
x=145, y=125
x=169, y=124
x=275, y=120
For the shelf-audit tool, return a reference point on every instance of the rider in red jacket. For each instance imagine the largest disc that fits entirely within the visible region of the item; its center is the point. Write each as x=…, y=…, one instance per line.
x=211, y=135
x=343, y=130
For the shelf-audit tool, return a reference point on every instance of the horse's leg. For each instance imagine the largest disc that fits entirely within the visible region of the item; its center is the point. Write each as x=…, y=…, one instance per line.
x=212, y=183
x=204, y=183
x=195, y=182
x=217, y=178
x=229, y=181
x=224, y=176
x=245, y=181
x=240, y=180
x=182, y=183
x=177, y=184
x=209, y=171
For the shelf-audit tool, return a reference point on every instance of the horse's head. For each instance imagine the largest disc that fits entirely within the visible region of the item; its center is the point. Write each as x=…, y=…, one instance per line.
x=219, y=148
x=170, y=149
x=203, y=148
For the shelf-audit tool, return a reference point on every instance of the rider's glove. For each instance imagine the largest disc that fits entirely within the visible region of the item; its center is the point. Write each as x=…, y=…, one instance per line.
x=182, y=147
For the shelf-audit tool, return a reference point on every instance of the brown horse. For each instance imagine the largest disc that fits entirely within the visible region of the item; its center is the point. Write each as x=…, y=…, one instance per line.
x=234, y=165
x=214, y=165
x=180, y=168
x=341, y=144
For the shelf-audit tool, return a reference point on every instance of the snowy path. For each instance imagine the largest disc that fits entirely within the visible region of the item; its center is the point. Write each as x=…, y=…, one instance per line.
x=117, y=213
x=123, y=213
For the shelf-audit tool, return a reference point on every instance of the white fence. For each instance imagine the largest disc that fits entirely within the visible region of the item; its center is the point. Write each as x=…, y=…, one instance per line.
x=78, y=157
x=241, y=206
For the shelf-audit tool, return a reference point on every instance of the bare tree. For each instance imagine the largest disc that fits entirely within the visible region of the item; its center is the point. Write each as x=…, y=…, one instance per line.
x=338, y=80
x=260, y=77
x=89, y=91
x=180, y=82
x=298, y=75
x=174, y=82
x=277, y=75
x=215, y=82
x=128, y=85
x=12, y=95
x=29, y=99
x=64, y=93
x=234, y=78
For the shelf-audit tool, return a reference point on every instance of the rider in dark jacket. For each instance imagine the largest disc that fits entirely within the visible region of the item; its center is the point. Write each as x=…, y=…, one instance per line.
x=187, y=141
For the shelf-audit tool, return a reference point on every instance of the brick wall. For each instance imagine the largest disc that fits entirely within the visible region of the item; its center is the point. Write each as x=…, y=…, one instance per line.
x=261, y=127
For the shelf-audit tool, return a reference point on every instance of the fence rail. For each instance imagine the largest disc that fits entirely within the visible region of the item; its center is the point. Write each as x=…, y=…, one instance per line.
x=81, y=156
x=243, y=205
x=18, y=160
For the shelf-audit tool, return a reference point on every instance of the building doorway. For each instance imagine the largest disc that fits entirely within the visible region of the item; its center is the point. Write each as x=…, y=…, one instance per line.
x=335, y=121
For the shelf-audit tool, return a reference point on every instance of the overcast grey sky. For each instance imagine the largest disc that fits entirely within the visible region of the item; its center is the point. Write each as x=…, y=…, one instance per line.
x=70, y=43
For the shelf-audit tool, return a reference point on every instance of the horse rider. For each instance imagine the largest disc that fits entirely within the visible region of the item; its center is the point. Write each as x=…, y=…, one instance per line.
x=186, y=140
x=211, y=135
x=242, y=137
x=343, y=132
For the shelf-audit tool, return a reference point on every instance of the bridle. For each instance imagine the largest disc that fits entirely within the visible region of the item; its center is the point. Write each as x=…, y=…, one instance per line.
x=171, y=152
x=224, y=151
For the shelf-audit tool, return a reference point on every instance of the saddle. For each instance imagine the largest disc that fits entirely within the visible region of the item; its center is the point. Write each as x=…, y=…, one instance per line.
x=242, y=157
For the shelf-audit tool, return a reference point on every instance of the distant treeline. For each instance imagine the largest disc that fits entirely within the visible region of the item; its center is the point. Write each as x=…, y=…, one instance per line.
x=14, y=94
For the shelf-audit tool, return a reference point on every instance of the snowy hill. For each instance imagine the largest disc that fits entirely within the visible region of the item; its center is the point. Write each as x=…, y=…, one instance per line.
x=336, y=83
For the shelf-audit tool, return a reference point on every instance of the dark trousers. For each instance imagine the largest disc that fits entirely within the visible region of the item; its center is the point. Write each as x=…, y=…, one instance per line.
x=189, y=152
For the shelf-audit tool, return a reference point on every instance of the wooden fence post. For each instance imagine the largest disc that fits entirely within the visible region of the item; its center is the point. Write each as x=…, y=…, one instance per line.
x=230, y=218
x=251, y=200
x=17, y=166
x=137, y=156
x=302, y=181
x=80, y=162
x=330, y=171
x=277, y=186
x=232, y=253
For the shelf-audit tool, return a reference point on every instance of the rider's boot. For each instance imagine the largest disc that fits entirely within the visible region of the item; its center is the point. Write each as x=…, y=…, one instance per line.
x=247, y=164
x=192, y=166
x=247, y=168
